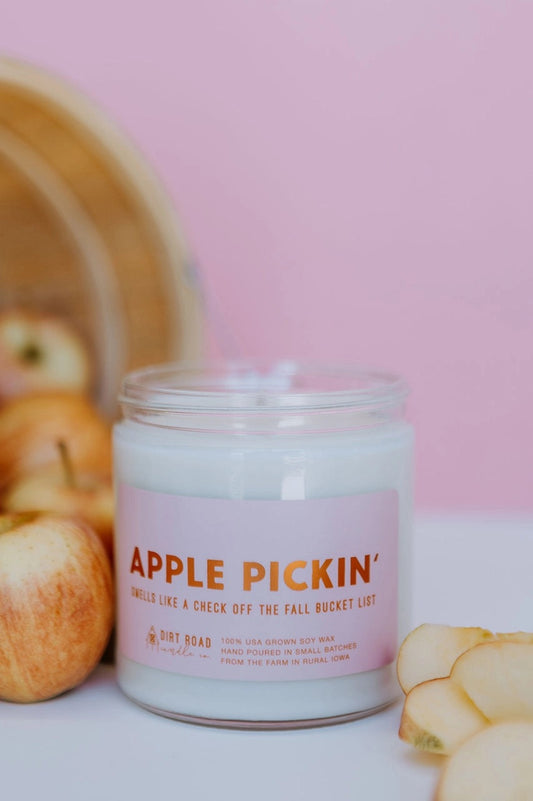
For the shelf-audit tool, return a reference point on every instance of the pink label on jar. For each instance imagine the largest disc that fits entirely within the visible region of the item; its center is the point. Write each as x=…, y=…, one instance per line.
x=257, y=590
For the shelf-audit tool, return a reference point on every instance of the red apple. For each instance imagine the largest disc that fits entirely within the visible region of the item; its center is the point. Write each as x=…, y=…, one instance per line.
x=40, y=353
x=30, y=428
x=56, y=605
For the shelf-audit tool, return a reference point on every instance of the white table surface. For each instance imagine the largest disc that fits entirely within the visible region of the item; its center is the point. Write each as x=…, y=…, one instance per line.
x=92, y=743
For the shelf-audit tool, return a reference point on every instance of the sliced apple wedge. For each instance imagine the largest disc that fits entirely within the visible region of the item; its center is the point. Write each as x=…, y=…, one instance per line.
x=495, y=764
x=498, y=678
x=438, y=716
x=430, y=651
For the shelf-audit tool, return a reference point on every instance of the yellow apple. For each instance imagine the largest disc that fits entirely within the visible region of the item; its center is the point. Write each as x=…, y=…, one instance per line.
x=56, y=605
x=86, y=495
x=30, y=428
x=40, y=352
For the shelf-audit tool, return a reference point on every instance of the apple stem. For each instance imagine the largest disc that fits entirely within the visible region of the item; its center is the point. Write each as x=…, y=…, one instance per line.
x=66, y=462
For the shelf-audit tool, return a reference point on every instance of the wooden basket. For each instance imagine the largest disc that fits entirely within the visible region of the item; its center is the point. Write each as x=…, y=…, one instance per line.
x=87, y=231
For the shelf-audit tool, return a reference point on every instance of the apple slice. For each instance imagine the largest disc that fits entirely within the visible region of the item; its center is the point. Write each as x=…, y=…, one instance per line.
x=516, y=636
x=430, y=651
x=498, y=677
x=495, y=764
x=438, y=716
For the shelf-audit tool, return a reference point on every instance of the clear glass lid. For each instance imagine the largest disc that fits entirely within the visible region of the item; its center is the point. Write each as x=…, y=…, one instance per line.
x=246, y=390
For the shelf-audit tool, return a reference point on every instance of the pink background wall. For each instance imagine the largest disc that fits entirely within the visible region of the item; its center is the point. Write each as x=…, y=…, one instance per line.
x=356, y=181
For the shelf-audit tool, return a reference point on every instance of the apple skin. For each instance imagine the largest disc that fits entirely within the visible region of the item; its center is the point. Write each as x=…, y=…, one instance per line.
x=30, y=428
x=56, y=605
x=91, y=499
x=40, y=352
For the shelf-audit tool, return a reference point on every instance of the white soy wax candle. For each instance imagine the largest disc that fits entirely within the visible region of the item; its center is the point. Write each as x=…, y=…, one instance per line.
x=263, y=541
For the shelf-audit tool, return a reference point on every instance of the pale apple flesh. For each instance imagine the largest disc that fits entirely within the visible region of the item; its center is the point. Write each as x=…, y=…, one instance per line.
x=430, y=651
x=56, y=605
x=498, y=678
x=481, y=714
x=495, y=764
x=438, y=716
x=516, y=636
x=40, y=352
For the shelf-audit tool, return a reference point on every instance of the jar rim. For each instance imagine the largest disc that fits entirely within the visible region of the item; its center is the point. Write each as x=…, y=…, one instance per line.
x=251, y=388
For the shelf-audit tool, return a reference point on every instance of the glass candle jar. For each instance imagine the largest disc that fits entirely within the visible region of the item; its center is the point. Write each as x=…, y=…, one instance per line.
x=263, y=541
